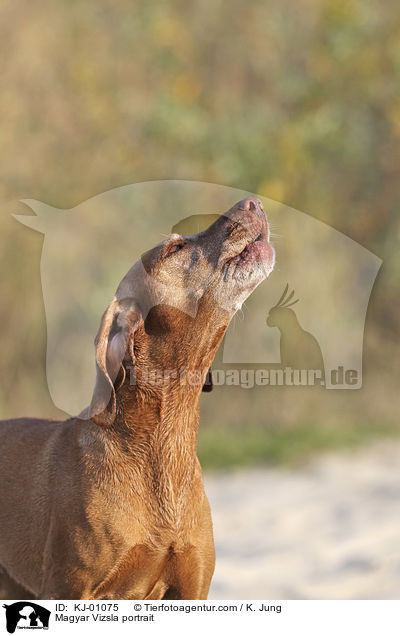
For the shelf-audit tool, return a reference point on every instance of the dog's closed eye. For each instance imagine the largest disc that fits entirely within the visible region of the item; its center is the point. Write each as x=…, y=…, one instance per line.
x=174, y=248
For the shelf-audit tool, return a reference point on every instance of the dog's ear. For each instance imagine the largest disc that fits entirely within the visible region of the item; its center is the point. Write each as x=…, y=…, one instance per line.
x=113, y=343
x=208, y=383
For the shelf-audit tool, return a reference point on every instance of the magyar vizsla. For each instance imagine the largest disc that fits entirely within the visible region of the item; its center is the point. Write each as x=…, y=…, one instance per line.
x=111, y=504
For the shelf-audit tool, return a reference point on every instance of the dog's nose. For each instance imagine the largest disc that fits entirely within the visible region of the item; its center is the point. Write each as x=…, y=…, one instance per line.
x=252, y=204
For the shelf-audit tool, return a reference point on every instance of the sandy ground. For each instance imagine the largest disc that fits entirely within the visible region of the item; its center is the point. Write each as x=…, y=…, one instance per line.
x=330, y=530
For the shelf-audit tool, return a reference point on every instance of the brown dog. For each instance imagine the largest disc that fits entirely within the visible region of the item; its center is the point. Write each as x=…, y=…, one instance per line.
x=111, y=504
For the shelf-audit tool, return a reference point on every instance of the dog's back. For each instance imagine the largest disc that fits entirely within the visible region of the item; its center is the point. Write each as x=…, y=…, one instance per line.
x=33, y=481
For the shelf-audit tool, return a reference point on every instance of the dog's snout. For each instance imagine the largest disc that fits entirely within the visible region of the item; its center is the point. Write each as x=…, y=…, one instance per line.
x=252, y=204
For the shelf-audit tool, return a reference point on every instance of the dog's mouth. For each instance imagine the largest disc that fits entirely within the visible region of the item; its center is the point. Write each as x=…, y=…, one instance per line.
x=250, y=247
x=246, y=249
x=252, y=255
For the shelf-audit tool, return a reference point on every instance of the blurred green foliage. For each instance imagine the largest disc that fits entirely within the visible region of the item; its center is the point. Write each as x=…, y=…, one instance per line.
x=289, y=447
x=297, y=100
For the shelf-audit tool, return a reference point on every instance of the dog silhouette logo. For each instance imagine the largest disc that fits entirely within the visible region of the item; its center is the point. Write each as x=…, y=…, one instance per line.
x=26, y=615
x=87, y=247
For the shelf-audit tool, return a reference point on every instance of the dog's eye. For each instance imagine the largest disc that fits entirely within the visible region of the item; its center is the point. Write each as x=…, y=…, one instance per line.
x=174, y=248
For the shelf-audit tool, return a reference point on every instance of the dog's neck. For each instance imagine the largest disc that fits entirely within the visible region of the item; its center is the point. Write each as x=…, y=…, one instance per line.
x=157, y=433
x=157, y=424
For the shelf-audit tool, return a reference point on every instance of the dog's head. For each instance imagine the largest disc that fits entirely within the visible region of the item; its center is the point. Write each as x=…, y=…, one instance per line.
x=173, y=306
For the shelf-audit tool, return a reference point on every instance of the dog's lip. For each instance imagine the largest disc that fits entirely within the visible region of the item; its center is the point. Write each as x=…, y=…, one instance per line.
x=251, y=242
x=247, y=248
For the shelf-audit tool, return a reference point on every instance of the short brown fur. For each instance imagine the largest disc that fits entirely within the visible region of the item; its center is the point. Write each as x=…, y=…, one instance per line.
x=111, y=504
